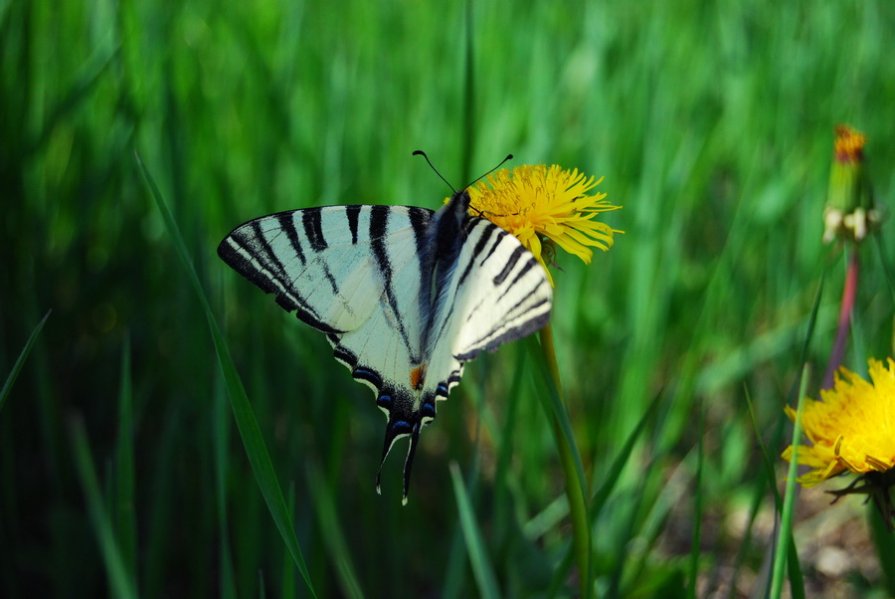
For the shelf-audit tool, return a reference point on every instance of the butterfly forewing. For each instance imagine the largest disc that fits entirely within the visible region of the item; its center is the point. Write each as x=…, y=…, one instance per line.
x=508, y=298
x=340, y=268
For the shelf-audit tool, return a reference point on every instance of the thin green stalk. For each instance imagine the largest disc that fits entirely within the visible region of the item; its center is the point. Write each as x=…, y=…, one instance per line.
x=610, y=479
x=220, y=424
x=571, y=464
x=331, y=529
x=20, y=361
x=125, y=479
x=884, y=543
x=120, y=583
x=849, y=290
x=469, y=129
x=455, y=577
x=698, y=499
x=783, y=534
x=475, y=545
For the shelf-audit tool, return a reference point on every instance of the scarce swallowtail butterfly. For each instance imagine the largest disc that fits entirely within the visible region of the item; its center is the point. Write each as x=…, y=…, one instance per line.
x=405, y=295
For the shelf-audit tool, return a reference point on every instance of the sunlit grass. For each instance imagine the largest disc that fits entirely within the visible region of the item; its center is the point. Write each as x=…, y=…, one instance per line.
x=713, y=127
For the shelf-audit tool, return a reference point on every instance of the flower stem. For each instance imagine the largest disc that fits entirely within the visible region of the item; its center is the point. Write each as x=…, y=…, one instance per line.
x=572, y=470
x=845, y=310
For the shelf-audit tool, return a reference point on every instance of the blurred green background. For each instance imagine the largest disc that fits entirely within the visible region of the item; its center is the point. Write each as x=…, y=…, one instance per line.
x=712, y=124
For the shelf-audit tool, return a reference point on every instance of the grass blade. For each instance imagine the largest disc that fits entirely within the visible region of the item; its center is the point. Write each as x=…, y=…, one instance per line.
x=20, y=361
x=621, y=459
x=287, y=588
x=475, y=546
x=331, y=531
x=568, y=452
x=612, y=477
x=885, y=547
x=761, y=482
x=796, y=581
x=784, y=536
x=469, y=129
x=455, y=577
x=120, y=583
x=246, y=423
x=125, y=509
x=698, y=499
x=220, y=425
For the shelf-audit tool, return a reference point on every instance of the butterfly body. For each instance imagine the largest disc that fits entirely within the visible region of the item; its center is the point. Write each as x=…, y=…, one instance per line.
x=404, y=295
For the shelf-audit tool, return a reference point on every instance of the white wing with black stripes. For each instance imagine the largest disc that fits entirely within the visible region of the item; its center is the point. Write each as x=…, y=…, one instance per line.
x=404, y=295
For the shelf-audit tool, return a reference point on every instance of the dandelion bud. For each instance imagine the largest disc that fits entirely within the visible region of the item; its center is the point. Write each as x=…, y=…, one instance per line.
x=850, y=212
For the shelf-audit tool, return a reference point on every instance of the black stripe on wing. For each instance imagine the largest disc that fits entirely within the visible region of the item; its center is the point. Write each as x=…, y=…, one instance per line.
x=529, y=264
x=479, y=246
x=353, y=214
x=312, y=220
x=287, y=223
x=247, y=251
x=379, y=216
x=510, y=264
x=513, y=329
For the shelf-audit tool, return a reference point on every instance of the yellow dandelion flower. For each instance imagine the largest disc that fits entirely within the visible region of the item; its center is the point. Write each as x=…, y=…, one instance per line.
x=542, y=206
x=852, y=428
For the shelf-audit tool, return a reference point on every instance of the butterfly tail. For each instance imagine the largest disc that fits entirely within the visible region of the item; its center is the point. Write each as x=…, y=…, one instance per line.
x=408, y=461
x=394, y=430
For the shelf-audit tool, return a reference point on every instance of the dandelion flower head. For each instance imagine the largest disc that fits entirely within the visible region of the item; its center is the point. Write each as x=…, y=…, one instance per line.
x=851, y=428
x=545, y=206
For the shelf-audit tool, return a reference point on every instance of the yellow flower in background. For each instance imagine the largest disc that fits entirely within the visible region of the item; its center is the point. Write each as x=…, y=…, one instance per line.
x=542, y=206
x=852, y=427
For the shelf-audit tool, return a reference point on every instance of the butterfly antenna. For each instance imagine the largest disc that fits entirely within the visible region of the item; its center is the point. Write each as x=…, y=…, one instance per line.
x=432, y=166
x=482, y=176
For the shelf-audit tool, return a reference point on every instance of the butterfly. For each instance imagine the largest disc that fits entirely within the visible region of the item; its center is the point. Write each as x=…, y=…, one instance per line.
x=405, y=295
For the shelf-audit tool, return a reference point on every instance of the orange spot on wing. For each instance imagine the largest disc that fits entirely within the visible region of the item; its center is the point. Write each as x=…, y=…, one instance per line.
x=417, y=375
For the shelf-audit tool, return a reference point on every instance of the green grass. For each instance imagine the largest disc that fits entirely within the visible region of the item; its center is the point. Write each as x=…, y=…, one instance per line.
x=131, y=463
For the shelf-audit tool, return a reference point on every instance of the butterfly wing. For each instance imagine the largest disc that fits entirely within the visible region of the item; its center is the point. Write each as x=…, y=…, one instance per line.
x=498, y=292
x=354, y=273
